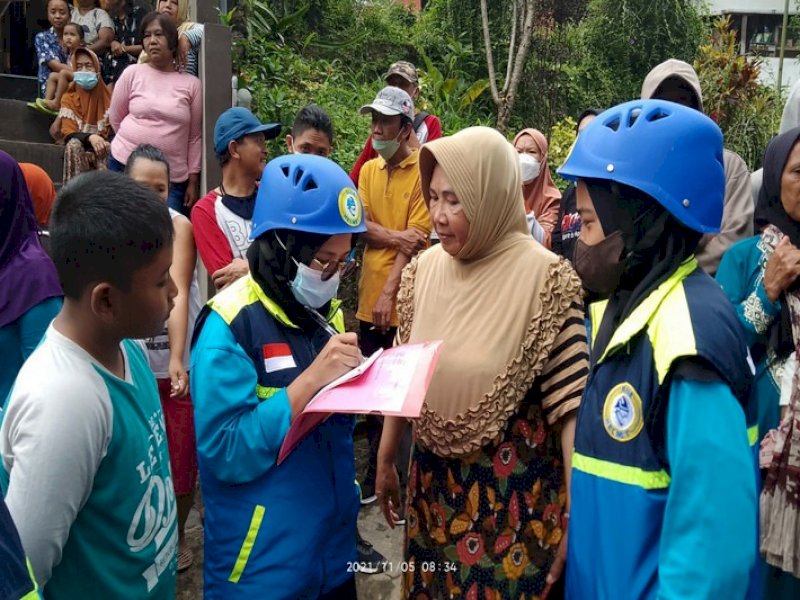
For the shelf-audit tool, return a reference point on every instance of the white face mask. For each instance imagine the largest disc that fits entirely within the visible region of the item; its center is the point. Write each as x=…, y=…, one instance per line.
x=309, y=289
x=386, y=148
x=529, y=168
x=307, y=286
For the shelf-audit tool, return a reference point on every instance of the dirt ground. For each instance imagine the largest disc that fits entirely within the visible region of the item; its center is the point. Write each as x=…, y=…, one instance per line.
x=371, y=524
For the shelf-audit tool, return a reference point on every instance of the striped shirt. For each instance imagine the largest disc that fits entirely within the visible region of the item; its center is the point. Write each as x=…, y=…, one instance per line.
x=195, y=37
x=563, y=378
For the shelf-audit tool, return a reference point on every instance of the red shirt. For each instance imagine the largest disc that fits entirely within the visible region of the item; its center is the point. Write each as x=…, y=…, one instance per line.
x=213, y=246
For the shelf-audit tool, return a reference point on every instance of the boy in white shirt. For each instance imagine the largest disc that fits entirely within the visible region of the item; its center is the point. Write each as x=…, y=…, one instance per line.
x=85, y=467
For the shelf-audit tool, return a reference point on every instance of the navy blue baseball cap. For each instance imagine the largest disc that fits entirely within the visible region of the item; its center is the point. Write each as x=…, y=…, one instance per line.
x=238, y=122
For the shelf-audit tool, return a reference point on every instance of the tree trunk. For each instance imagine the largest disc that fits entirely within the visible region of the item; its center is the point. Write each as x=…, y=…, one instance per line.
x=504, y=111
x=519, y=48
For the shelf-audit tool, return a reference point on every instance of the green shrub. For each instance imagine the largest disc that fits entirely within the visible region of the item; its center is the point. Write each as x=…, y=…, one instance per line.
x=630, y=37
x=562, y=136
x=747, y=112
x=282, y=82
x=285, y=72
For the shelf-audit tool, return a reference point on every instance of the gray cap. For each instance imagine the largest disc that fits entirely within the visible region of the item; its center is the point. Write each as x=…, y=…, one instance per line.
x=391, y=101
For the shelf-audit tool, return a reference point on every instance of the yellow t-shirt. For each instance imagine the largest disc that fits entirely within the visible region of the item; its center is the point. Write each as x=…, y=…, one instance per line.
x=394, y=202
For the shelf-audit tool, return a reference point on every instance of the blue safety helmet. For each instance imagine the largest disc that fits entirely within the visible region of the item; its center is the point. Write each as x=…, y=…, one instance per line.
x=671, y=152
x=307, y=193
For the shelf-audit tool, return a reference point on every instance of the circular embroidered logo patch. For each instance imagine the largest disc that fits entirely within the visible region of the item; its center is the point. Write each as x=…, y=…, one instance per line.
x=622, y=413
x=350, y=207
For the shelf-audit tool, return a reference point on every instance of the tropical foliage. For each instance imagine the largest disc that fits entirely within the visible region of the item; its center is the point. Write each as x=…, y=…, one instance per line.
x=584, y=53
x=748, y=112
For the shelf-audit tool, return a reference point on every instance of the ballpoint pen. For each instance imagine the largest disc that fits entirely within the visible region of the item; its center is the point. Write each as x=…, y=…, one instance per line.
x=321, y=321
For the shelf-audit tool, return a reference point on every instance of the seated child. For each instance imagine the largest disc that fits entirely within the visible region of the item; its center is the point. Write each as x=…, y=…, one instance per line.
x=85, y=465
x=58, y=81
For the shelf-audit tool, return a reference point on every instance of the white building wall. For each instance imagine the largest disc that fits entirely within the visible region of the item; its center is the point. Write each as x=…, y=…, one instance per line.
x=769, y=72
x=717, y=7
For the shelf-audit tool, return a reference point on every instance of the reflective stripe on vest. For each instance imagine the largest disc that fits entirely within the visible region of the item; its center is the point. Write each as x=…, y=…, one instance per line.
x=246, y=291
x=660, y=313
x=648, y=480
x=247, y=545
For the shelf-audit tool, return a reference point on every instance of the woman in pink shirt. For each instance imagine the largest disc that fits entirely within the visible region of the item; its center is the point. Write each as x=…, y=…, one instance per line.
x=153, y=101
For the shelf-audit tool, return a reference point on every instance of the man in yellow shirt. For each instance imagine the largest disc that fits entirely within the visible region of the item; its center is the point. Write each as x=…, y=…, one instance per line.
x=398, y=226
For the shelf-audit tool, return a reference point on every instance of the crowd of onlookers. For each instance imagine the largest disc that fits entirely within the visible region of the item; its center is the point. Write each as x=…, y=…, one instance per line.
x=102, y=72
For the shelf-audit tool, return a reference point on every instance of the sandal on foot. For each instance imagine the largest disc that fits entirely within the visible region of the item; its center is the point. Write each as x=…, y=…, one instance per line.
x=185, y=558
x=41, y=106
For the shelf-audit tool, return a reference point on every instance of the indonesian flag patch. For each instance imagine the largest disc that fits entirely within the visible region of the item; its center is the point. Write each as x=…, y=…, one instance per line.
x=277, y=357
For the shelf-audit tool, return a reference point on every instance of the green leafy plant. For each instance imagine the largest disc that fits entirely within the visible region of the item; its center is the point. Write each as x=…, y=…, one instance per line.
x=450, y=93
x=226, y=18
x=629, y=37
x=747, y=111
x=258, y=20
x=562, y=137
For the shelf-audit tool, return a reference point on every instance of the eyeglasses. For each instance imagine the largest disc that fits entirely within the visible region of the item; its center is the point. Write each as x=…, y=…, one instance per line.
x=345, y=267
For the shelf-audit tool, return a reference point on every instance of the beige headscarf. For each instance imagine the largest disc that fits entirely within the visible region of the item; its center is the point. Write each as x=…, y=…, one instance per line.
x=669, y=69
x=498, y=305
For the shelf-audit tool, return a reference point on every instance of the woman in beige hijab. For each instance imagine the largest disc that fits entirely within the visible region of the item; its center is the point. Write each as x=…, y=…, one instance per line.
x=542, y=198
x=488, y=494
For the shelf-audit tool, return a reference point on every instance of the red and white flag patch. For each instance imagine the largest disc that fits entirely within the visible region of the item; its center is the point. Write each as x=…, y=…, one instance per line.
x=277, y=357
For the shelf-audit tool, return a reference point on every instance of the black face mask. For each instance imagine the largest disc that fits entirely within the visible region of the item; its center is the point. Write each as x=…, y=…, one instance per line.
x=600, y=266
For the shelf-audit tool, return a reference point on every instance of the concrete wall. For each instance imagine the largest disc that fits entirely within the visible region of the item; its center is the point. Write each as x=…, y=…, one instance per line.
x=769, y=72
x=215, y=72
x=205, y=11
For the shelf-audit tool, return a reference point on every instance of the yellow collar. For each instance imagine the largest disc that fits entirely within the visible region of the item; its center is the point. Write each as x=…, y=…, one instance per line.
x=276, y=311
x=409, y=161
x=642, y=314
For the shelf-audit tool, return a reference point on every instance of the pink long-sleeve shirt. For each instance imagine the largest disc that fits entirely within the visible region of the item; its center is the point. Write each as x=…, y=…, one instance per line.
x=164, y=109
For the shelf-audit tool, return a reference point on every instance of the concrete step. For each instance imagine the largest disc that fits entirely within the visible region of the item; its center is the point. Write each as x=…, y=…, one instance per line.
x=22, y=123
x=19, y=87
x=48, y=156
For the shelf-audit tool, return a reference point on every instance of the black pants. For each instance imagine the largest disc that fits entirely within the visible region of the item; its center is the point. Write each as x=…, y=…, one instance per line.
x=370, y=339
x=346, y=591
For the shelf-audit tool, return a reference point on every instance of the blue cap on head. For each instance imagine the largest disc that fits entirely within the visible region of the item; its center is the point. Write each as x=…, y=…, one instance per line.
x=671, y=152
x=238, y=122
x=305, y=192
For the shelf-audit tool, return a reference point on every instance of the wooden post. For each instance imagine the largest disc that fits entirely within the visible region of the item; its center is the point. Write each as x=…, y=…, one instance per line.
x=743, y=36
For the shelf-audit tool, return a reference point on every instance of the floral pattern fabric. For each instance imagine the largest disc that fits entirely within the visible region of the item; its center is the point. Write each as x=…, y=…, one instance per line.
x=48, y=47
x=487, y=525
x=126, y=31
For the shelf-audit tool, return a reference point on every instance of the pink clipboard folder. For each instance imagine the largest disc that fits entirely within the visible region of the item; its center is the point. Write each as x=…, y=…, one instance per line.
x=394, y=384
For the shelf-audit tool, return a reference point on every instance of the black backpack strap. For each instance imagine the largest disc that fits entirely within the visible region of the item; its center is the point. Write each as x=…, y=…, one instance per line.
x=421, y=116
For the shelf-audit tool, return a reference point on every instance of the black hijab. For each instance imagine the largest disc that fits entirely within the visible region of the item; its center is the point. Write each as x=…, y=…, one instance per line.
x=655, y=245
x=770, y=211
x=272, y=268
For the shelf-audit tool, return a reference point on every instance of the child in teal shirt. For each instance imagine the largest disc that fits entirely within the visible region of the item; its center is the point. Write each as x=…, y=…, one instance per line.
x=84, y=453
